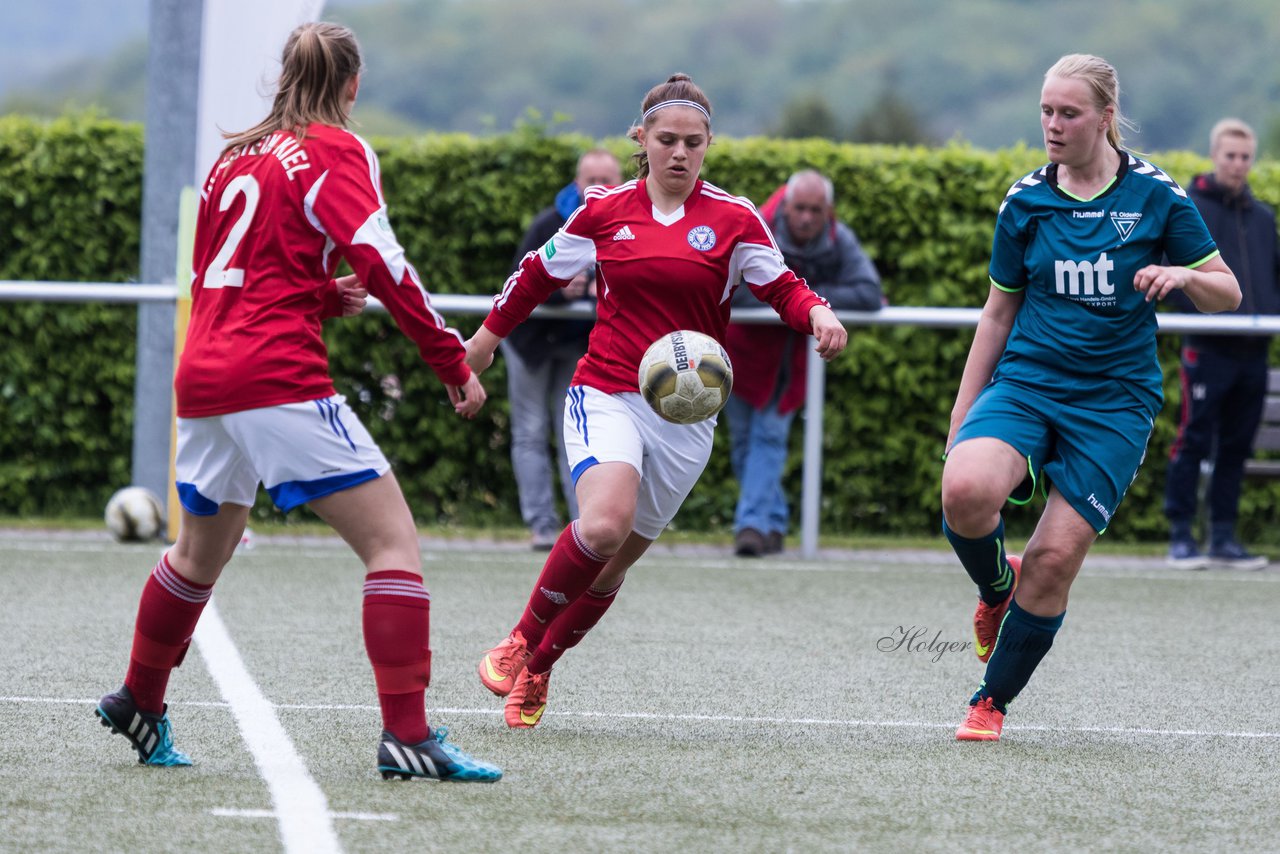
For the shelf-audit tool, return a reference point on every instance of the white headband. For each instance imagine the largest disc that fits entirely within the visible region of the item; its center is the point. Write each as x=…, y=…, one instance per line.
x=677, y=102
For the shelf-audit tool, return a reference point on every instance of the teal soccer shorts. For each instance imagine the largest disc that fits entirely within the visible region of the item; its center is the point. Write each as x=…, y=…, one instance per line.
x=1089, y=443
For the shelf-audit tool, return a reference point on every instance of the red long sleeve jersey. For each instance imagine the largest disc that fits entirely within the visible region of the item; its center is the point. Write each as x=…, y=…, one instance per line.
x=655, y=273
x=275, y=217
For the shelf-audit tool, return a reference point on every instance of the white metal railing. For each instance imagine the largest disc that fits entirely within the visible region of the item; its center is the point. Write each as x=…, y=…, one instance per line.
x=938, y=318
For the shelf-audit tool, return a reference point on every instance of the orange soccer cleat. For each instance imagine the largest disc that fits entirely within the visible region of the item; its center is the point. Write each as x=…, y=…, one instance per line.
x=528, y=700
x=983, y=723
x=503, y=664
x=987, y=619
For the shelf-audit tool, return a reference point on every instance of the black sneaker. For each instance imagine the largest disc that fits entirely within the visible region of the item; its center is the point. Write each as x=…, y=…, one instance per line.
x=149, y=734
x=433, y=759
x=1185, y=554
x=1232, y=555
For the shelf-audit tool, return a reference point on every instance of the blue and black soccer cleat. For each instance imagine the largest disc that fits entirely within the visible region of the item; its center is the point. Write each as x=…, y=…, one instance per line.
x=150, y=734
x=433, y=759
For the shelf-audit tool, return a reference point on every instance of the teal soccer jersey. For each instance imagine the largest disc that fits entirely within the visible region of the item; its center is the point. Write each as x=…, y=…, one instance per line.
x=1075, y=260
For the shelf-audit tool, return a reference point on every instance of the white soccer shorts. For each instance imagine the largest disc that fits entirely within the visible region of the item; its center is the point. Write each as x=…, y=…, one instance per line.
x=299, y=451
x=606, y=428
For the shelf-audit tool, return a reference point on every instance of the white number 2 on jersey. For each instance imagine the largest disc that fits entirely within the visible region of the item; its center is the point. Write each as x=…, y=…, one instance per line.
x=217, y=275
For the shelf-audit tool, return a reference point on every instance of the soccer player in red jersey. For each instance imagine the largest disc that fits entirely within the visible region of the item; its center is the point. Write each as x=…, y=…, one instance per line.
x=286, y=200
x=668, y=250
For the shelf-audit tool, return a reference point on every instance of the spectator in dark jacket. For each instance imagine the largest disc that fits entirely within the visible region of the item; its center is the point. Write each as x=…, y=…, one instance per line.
x=769, y=360
x=541, y=355
x=1224, y=377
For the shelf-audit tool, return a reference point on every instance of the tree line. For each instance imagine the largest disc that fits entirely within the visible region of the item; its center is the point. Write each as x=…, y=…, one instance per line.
x=912, y=71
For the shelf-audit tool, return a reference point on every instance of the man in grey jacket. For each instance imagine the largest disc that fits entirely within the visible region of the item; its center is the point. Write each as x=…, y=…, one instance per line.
x=769, y=360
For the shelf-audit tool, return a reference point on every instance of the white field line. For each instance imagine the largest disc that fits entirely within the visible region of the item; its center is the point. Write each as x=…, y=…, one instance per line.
x=301, y=808
x=223, y=812
x=728, y=719
x=870, y=563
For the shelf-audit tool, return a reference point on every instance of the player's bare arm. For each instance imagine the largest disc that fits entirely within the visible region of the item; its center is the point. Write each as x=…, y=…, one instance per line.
x=1211, y=286
x=829, y=332
x=480, y=349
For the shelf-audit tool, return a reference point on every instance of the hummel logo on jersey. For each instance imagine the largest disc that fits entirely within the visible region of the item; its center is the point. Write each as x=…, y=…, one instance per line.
x=624, y=233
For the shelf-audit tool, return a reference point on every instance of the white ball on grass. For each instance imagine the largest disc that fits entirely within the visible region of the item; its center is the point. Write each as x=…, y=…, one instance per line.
x=134, y=514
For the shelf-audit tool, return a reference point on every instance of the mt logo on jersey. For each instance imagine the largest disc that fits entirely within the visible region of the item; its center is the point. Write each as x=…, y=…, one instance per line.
x=1086, y=279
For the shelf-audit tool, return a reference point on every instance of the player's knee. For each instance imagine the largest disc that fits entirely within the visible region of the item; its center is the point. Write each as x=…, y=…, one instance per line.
x=968, y=501
x=202, y=565
x=1052, y=567
x=605, y=532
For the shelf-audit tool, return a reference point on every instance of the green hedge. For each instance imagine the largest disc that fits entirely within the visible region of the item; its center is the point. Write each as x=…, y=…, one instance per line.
x=69, y=209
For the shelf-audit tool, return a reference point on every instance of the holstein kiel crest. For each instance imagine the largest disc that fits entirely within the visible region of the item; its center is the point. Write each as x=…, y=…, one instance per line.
x=702, y=238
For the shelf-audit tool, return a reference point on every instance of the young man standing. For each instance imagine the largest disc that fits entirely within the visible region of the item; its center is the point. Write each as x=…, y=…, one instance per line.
x=1224, y=377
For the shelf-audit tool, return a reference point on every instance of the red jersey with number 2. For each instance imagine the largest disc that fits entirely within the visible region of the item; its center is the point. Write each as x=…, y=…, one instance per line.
x=655, y=273
x=275, y=217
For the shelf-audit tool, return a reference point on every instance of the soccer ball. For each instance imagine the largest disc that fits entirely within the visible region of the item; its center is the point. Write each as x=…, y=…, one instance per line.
x=134, y=515
x=686, y=376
